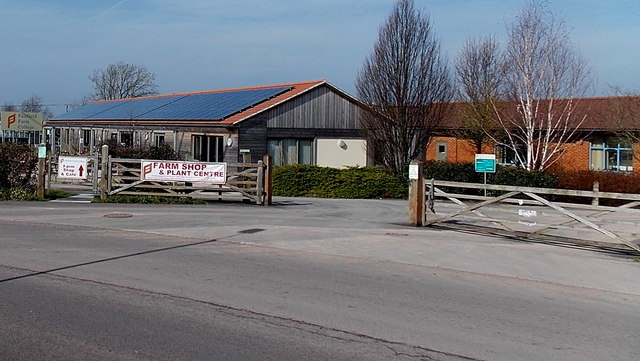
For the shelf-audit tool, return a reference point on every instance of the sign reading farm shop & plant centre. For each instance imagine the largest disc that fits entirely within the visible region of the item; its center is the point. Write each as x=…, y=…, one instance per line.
x=178, y=171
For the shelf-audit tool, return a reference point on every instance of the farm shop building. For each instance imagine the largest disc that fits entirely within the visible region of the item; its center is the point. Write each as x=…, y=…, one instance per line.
x=596, y=144
x=306, y=123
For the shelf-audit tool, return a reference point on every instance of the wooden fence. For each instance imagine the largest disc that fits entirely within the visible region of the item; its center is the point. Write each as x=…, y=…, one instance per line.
x=244, y=181
x=529, y=213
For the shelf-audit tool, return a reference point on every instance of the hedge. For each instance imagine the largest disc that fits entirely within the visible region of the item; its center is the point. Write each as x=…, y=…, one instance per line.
x=355, y=182
x=18, y=166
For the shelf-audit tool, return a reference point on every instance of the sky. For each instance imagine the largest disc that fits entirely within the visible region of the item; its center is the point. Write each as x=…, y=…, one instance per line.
x=50, y=47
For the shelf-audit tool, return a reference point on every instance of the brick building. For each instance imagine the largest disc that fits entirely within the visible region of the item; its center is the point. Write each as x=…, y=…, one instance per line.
x=595, y=146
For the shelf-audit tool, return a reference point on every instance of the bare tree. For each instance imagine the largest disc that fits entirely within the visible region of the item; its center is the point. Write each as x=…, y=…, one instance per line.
x=8, y=107
x=34, y=104
x=407, y=87
x=479, y=70
x=122, y=80
x=544, y=76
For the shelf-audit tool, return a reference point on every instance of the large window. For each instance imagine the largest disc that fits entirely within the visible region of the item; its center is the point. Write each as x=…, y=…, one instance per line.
x=290, y=151
x=208, y=148
x=611, y=154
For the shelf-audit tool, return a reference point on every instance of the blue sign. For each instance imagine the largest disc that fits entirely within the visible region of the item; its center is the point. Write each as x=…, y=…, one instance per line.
x=485, y=163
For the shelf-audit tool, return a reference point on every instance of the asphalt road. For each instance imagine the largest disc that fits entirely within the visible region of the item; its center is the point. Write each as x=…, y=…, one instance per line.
x=306, y=280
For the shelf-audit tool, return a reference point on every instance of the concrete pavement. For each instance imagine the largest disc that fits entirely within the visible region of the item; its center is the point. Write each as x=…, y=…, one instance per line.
x=368, y=229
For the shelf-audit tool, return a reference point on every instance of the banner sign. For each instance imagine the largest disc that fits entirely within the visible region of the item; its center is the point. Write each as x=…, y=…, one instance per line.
x=21, y=121
x=72, y=167
x=177, y=171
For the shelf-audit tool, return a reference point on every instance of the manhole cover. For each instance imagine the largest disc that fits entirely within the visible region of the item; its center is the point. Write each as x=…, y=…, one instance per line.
x=118, y=215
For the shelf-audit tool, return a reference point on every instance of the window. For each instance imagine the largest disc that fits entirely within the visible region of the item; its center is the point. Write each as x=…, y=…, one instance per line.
x=290, y=151
x=158, y=139
x=611, y=154
x=441, y=151
x=208, y=148
x=86, y=137
x=506, y=154
x=126, y=139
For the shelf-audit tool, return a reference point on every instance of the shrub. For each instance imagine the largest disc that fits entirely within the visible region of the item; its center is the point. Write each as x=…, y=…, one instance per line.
x=514, y=176
x=453, y=172
x=161, y=152
x=355, y=182
x=608, y=181
x=18, y=165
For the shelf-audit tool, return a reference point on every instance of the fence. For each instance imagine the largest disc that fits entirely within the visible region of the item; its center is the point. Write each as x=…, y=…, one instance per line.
x=244, y=181
x=115, y=176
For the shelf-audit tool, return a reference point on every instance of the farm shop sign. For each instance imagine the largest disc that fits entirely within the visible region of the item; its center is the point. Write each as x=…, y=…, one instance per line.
x=25, y=121
x=174, y=171
x=72, y=167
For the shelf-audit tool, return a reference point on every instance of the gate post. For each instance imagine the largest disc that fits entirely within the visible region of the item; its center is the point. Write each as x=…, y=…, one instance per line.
x=42, y=161
x=416, y=194
x=104, y=171
x=266, y=160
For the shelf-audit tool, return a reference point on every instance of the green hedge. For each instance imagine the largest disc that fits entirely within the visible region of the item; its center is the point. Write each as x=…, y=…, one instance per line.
x=504, y=175
x=356, y=182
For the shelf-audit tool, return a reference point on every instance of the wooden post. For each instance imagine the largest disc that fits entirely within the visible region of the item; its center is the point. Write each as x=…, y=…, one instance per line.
x=42, y=161
x=260, y=184
x=416, y=194
x=268, y=191
x=596, y=188
x=104, y=172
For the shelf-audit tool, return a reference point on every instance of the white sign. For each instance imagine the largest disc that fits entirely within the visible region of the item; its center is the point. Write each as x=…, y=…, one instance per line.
x=527, y=213
x=72, y=167
x=413, y=171
x=176, y=171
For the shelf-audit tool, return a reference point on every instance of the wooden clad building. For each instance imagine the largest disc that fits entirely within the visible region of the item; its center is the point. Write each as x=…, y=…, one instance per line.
x=308, y=122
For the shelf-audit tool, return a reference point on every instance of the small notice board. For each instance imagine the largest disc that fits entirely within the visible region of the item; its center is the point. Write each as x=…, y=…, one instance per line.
x=485, y=163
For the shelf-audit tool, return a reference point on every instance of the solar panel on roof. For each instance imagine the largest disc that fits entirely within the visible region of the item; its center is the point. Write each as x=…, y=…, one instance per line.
x=202, y=106
x=212, y=106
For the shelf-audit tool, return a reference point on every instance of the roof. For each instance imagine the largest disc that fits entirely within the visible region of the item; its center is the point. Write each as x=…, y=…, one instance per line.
x=216, y=107
x=597, y=114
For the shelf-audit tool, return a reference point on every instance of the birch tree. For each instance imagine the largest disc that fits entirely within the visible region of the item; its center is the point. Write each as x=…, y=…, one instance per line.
x=544, y=77
x=406, y=86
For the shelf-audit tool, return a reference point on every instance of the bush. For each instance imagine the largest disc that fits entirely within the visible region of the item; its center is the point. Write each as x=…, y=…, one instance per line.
x=18, y=166
x=608, y=181
x=356, y=182
x=161, y=152
x=453, y=172
x=514, y=176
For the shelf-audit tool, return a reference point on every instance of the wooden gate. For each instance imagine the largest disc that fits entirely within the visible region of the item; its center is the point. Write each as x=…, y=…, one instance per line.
x=245, y=182
x=530, y=213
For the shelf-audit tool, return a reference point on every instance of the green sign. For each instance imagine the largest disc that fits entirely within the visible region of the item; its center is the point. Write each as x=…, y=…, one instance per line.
x=485, y=163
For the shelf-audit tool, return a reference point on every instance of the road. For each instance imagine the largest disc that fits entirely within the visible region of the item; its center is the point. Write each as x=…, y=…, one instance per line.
x=305, y=280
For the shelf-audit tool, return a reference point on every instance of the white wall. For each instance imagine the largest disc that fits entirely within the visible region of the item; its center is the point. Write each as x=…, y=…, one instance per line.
x=330, y=154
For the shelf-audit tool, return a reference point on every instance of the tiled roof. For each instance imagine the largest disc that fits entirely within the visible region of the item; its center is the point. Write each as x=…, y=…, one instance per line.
x=217, y=107
x=600, y=114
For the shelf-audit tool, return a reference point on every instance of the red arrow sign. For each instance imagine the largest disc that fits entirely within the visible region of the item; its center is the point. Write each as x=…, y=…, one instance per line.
x=81, y=169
